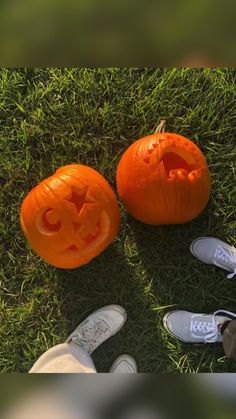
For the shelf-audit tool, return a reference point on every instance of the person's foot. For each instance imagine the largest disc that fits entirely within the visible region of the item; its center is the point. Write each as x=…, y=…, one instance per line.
x=98, y=327
x=196, y=327
x=214, y=251
x=124, y=364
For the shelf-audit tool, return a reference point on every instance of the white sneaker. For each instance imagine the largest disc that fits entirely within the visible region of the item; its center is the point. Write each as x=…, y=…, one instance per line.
x=196, y=327
x=98, y=327
x=125, y=364
x=214, y=251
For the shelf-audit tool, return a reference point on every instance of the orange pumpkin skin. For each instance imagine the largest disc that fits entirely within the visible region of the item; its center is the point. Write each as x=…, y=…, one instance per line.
x=163, y=179
x=70, y=217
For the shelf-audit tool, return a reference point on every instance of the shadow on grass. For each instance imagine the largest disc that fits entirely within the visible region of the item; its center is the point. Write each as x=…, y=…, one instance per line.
x=164, y=252
x=180, y=281
x=109, y=279
x=156, y=271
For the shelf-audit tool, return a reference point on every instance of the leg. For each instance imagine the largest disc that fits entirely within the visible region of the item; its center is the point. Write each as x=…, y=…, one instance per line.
x=74, y=354
x=64, y=358
x=229, y=339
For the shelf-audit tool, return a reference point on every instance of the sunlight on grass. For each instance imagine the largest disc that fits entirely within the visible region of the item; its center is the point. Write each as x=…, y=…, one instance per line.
x=53, y=117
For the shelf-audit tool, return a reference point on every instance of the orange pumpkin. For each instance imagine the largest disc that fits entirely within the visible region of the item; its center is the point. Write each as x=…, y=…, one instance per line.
x=163, y=179
x=70, y=217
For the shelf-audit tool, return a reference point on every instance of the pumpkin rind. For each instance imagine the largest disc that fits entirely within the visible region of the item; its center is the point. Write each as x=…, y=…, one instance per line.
x=163, y=179
x=70, y=217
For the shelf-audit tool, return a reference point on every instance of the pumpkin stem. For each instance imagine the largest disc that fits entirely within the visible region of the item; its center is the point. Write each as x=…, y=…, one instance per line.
x=161, y=127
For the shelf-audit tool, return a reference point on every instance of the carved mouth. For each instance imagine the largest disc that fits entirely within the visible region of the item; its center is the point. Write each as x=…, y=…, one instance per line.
x=90, y=241
x=181, y=164
x=176, y=166
x=173, y=161
x=87, y=240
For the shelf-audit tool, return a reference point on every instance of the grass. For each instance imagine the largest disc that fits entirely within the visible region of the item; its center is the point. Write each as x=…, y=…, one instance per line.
x=52, y=117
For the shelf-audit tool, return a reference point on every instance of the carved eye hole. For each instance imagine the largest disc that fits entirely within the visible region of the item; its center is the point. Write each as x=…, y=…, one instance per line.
x=78, y=200
x=51, y=221
x=147, y=160
x=48, y=221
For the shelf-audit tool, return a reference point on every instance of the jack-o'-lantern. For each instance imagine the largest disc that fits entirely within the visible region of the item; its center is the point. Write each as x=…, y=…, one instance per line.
x=163, y=179
x=70, y=217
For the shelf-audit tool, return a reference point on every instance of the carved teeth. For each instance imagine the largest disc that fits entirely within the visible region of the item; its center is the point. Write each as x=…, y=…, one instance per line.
x=192, y=176
x=181, y=174
x=195, y=174
x=172, y=174
x=198, y=172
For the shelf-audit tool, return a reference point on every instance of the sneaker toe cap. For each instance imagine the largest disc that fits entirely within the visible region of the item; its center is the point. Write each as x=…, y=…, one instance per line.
x=115, y=315
x=203, y=249
x=177, y=323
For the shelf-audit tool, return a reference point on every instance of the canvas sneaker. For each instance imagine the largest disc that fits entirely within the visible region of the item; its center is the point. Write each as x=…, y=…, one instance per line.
x=196, y=327
x=98, y=327
x=125, y=364
x=214, y=251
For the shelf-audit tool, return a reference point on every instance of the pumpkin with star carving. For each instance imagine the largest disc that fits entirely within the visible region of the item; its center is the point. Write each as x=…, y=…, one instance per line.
x=70, y=217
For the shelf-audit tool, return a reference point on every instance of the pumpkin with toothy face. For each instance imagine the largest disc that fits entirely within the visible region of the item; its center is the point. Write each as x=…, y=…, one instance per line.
x=163, y=179
x=70, y=217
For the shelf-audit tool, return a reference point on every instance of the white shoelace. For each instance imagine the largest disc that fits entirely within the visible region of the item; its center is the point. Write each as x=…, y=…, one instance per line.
x=222, y=255
x=210, y=329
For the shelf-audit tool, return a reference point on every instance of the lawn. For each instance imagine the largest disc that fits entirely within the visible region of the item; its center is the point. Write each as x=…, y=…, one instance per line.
x=53, y=117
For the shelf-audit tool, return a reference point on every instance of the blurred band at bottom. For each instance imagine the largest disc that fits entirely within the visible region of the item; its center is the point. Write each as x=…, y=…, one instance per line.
x=107, y=396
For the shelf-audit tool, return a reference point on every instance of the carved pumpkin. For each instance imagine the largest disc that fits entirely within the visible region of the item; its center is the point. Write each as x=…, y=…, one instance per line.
x=163, y=179
x=70, y=217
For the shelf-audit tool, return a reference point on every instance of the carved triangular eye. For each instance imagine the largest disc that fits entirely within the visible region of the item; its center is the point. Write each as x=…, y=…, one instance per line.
x=146, y=160
x=72, y=247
